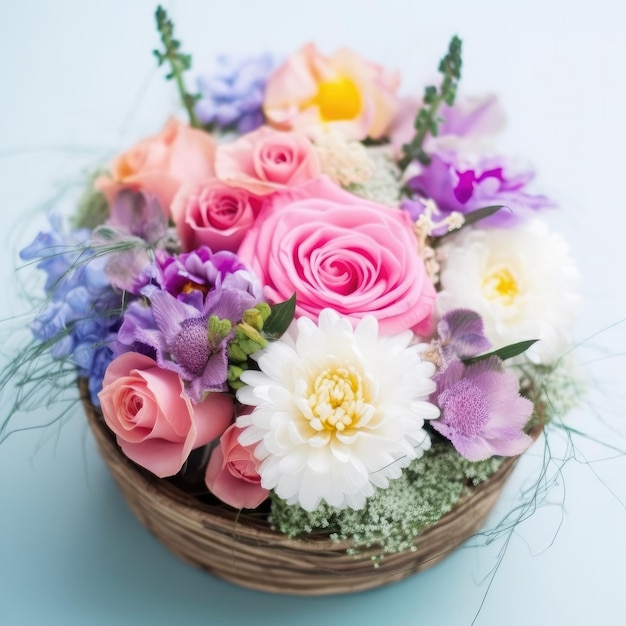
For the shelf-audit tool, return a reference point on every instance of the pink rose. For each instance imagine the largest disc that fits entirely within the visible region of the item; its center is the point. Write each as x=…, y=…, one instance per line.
x=160, y=164
x=232, y=474
x=339, y=251
x=267, y=160
x=154, y=422
x=344, y=91
x=213, y=214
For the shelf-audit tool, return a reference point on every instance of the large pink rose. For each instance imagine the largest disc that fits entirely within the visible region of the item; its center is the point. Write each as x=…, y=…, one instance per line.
x=343, y=91
x=267, y=160
x=336, y=250
x=155, y=424
x=232, y=474
x=160, y=164
x=213, y=214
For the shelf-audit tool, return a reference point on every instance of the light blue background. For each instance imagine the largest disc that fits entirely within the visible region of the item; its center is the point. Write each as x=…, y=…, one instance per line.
x=77, y=82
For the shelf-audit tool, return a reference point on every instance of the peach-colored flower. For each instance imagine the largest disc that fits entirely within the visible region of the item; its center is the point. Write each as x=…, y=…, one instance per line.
x=345, y=91
x=266, y=160
x=232, y=473
x=213, y=214
x=154, y=422
x=160, y=164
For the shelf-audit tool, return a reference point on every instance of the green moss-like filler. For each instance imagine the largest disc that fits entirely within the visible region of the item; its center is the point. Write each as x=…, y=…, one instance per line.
x=554, y=390
x=93, y=207
x=393, y=517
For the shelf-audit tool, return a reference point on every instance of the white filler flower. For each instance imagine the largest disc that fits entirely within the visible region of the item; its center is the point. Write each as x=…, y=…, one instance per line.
x=522, y=282
x=337, y=412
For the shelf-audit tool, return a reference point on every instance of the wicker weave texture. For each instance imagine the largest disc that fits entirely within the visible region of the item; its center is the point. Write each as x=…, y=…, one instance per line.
x=248, y=553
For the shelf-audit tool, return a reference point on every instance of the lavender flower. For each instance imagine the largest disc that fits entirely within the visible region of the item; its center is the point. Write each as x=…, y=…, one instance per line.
x=82, y=309
x=196, y=300
x=138, y=214
x=456, y=186
x=233, y=95
x=482, y=413
x=459, y=180
x=136, y=223
x=461, y=335
x=203, y=270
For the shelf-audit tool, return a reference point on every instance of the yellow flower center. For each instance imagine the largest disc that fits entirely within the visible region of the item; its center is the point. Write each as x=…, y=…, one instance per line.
x=501, y=285
x=338, y=399
x=337, y=99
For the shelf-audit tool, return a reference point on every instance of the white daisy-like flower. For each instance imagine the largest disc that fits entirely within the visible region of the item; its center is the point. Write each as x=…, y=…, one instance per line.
x=521, y=280
x=337, y=412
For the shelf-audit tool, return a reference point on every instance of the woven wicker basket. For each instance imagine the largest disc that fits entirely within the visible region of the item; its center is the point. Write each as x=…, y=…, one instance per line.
x=248, y=553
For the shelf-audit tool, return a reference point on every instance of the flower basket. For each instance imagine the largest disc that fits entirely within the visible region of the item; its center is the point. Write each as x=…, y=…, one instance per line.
x=244, y=550
x=307, y=350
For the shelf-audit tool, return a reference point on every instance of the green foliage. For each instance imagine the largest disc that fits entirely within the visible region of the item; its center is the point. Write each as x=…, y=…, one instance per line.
x=178, y=62
x=504, y=353
x=392, y=518
x=93, y=207
x=280, y=318
x=427, y=120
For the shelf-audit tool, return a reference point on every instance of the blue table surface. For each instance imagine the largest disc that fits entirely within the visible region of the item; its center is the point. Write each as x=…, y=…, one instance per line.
x=78, y=83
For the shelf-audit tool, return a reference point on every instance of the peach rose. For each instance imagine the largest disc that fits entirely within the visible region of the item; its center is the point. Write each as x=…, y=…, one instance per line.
x=266, y=160
x=344, y=91
x=336, y=250
x=155, y=424
x=160, y=164
x=232, y=474
x=213, y=214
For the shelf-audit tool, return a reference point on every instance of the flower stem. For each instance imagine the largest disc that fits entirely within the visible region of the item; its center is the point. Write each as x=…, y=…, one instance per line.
x=178, y=62
x=427, y=120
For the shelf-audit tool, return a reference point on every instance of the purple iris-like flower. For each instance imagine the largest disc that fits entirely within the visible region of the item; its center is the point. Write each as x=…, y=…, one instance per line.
x=458, y=180
x=457, y=186
x=203, y=270
x=461, y=335
x=233, y=95
x=138, y=214
x=135, y=224
x=482, y=413
x=186, y=291
x=177, y=334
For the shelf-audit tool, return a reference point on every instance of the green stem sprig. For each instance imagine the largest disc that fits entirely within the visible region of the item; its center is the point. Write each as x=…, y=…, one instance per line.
x=178, y=62
x=427, y=121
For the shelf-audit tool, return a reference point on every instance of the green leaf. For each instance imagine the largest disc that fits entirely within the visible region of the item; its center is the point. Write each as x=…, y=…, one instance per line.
x=505, y=353
x=281, y=316
x=480, y=214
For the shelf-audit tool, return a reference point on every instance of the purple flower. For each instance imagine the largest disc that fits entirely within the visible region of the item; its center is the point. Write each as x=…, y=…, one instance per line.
x=188, y=290
x=138, y=214
x=482, y=413
x=461, y=335
x=233, y=95
x=457, y=186
x=458, y=180
x=81, y=311
x=202, y=270
x=179, y=337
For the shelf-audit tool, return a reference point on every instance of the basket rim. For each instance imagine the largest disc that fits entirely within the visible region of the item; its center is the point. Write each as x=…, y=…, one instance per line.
x=247, y=524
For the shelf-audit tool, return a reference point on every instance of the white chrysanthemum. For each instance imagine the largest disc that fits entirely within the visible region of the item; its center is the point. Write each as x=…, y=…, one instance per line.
x=337, y=412
x=521, y=280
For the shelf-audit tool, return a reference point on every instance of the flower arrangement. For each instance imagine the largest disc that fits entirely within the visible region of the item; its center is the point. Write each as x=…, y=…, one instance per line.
x=337, y=306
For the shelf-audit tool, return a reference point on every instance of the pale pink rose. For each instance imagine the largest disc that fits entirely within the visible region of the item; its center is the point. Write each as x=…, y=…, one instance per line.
x=154, y=422
x=213, y=214
x=343, y=91
x=232, y=473
x=160, y=164
x=266, y=160
x=336, y=250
